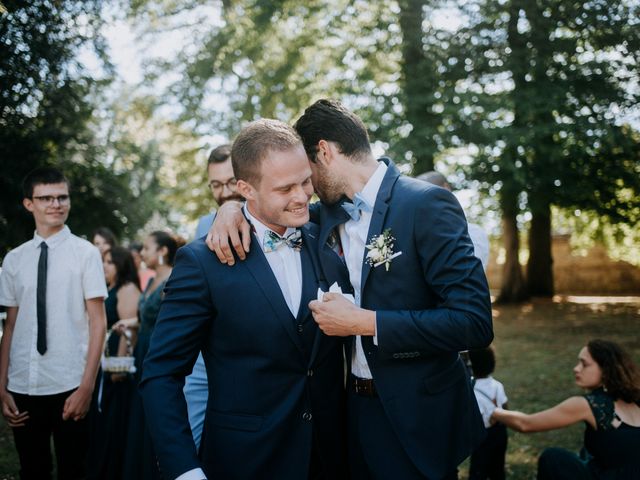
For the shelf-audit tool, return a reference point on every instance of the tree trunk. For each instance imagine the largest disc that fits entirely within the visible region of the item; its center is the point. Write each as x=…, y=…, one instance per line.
x=540, y=264
x=419, y=83
x=513, y=288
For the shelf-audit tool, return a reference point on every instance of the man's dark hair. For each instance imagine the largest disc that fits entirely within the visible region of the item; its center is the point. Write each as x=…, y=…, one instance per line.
x=255, y=141
x=329, y=120
x=483, y=361
x=41, y=176
x=436, y=178
x=219, y=154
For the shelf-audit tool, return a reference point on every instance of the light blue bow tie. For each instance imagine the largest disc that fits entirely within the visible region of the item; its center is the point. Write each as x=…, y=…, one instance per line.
x=358, y=206
x=272, y=241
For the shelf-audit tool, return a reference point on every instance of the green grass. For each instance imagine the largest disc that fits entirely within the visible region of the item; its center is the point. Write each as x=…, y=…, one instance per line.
x=536, y=346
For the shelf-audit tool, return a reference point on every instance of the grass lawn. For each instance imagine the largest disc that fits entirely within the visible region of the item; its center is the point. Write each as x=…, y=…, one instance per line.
x=536, y=345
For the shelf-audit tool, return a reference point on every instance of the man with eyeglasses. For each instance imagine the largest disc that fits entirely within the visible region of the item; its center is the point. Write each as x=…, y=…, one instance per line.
x=222, y=183
x=53, y=288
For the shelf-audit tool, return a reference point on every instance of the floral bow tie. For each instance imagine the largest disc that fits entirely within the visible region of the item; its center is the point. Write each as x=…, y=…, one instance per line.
x=358, y=206
x=272, y=241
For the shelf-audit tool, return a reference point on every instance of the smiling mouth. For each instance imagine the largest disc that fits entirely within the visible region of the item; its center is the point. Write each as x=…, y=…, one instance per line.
x=297, y=211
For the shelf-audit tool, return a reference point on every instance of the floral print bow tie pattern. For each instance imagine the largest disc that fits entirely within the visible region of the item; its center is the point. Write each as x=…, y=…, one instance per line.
x=272, y=241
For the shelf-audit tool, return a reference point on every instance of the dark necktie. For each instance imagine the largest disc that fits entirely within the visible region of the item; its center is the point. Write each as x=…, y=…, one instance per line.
x=272, y=241
x=355, y=208
x=41, y=295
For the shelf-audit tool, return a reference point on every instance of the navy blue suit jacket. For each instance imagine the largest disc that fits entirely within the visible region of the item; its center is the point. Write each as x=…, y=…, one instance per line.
x=432, y=303
x=275, y=377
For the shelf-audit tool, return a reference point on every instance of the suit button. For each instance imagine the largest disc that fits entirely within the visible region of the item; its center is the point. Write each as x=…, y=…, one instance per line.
x=307, y=416
x=396, y=355
x=309, y=373
x=300, y=328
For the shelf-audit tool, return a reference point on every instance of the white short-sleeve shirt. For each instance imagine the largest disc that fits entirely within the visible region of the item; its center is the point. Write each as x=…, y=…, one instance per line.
x=74, y=274
x=490, y=394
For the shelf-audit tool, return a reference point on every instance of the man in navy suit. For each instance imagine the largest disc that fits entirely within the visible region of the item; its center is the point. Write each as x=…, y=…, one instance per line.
x=278, y=409
x=421, y=297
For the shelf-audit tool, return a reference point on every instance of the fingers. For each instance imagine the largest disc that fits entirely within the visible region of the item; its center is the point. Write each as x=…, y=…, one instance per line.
x=66, y=410
x=236, y=243
x=245, y=229
x=19, y=420
x=328, y=296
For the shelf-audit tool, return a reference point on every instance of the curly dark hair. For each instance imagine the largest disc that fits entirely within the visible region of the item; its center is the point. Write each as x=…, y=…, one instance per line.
x=483, y=361
x=620, y=375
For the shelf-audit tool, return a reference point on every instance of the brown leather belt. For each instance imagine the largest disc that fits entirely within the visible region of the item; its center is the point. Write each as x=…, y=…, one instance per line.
x=363, y=386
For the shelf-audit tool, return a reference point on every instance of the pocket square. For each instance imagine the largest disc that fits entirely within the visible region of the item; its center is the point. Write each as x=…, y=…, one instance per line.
x=335, y=288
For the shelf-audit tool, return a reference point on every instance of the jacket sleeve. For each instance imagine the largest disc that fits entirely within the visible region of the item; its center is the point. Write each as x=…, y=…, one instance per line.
x=177, y=338
x=461, y=317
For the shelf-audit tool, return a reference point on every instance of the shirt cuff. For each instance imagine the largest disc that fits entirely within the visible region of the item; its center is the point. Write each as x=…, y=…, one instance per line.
x=375, y=332
x=195, y=474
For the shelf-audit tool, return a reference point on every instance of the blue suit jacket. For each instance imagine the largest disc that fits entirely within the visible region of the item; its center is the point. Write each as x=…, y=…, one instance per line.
x=275, y=377
x=432, y=303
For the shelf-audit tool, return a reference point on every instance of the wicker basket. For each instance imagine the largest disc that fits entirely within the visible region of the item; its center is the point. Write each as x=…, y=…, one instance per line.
x=124, y=364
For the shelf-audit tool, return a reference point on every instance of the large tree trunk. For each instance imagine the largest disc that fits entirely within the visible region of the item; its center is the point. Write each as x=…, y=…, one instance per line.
x=540, y=264
x=419, y=83
x=513, y=288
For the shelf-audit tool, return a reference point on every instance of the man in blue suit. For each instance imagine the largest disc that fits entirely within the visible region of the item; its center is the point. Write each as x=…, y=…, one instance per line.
x=277, y=411
x=421, y=297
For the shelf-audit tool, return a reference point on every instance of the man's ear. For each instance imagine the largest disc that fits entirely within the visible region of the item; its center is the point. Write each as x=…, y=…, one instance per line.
x=28, y=204
x=327, y=152
x=246, y=190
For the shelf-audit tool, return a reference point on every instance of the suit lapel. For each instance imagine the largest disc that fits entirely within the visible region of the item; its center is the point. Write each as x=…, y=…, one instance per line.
x=259, y=268
x=379, y=213
x=312, y=279
x=330, y=218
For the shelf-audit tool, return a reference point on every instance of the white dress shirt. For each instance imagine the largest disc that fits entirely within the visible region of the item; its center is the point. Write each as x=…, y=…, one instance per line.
x=284, y=262
x=353, y=236
x=74, y=274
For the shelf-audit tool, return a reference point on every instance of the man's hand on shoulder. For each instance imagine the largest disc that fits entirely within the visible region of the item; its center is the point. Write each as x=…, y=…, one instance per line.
x=230, y=229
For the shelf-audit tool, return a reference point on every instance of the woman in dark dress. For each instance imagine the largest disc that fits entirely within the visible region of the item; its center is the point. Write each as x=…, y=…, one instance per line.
x=110, y=409
x=611, y=412
x=158, y=252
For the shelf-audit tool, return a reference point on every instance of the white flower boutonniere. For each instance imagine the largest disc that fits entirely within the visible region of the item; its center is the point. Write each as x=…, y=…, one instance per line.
x=381, y=250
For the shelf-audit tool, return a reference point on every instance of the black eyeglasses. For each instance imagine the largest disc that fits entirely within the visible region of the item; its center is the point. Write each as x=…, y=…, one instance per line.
x=49, y=199
x=216, y=185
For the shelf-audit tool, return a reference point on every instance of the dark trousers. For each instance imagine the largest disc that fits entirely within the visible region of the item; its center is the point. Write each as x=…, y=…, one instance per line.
x=561, y=464
x=375, y=452
x=487, y=461
x=33, y=441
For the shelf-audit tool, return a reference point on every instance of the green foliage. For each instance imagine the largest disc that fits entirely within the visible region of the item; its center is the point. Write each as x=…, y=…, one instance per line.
x=49, y=117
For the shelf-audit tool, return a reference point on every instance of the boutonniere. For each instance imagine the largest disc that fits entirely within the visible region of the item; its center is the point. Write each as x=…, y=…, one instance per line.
x=381, y=250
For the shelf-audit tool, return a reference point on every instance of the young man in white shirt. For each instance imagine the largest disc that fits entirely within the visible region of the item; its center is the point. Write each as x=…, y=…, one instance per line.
x=50, y=349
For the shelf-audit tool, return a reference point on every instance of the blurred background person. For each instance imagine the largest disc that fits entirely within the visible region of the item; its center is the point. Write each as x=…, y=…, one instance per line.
x=221, y=182
x=158, y=253
x=487, y=461
x=110, y=412
x=611, y=411
x=104, y=239
x=145, y=274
